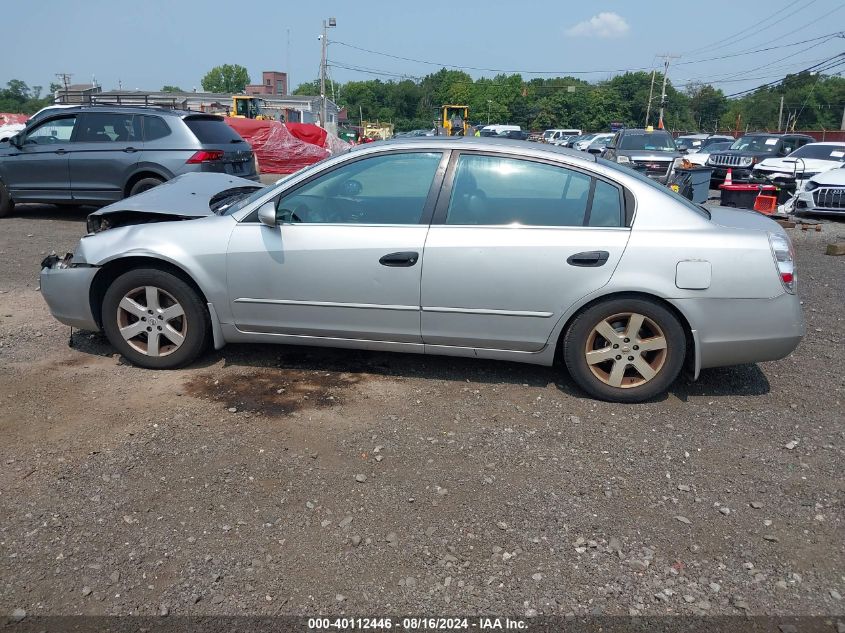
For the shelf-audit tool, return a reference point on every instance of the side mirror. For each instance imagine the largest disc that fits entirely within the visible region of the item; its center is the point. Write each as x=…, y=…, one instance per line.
x=610, y=146
x=16, y=141
x=267, y=213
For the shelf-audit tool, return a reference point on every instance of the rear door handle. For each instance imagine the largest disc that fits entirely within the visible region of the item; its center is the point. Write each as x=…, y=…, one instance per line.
x=61, y=151
x=395, y=260
x=588, y=259
x=130, y=150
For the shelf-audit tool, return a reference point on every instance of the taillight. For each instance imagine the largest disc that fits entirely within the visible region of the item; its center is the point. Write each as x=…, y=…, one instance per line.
x=205, y=156
x=784, y=260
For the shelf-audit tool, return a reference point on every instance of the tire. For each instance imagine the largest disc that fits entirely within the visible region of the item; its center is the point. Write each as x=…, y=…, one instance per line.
x=7, y=205
x=144, y=184
x=625, y=373
x=177, y=319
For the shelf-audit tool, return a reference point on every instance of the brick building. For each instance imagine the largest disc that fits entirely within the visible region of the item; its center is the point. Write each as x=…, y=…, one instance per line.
x=272, y=83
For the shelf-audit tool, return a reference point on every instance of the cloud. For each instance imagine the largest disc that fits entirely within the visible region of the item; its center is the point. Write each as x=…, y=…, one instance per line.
x=605, y=24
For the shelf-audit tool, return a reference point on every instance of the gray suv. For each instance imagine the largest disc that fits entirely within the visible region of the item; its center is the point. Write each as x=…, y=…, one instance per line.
x=649, y=151
x=100, y=154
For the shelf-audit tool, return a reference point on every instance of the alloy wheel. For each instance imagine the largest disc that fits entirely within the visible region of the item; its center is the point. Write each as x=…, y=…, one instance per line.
x=152, y=321
x=626, y=350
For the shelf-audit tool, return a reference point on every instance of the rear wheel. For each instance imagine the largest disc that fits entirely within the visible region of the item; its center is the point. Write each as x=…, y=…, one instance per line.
x=7, y=205
x=144, y=184
x=155, y=319
x=625, y=350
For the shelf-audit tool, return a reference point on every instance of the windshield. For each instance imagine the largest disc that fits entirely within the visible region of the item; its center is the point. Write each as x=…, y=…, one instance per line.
x=654, y=185
x=687, y=143
x=717, y=147
x=243, y=202
x=759, y=144
x=822, y=152
x=657, y=141
x=716, y=139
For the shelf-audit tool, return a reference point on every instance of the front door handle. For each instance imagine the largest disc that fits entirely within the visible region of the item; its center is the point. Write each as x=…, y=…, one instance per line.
x=61, y=151
x=130, y=150
x=395, y=260
x=588, y=259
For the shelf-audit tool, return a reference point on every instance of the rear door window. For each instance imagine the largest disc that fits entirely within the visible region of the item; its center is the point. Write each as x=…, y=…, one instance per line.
x=106, y=127
x=212, y=131
x=492, y=190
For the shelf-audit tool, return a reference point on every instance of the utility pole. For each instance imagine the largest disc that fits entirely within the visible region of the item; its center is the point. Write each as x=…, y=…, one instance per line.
x=65, y=79
x=780, y=113
x=325, y=40
x=666, y=57
x=842, y=127
x=287, y=64
x=650, y=95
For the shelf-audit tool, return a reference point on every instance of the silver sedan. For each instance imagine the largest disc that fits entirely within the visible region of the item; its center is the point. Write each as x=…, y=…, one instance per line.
x=463, y=247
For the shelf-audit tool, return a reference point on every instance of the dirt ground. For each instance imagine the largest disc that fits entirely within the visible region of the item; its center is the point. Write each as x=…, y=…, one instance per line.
x=283, y=480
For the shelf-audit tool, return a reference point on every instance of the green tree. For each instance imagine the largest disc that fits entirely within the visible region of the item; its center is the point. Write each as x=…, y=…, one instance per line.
x=309, y=89
x=230, y=78
x=169, y=88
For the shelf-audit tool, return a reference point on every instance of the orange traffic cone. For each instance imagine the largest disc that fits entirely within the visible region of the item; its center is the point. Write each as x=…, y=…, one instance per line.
x=729, y=177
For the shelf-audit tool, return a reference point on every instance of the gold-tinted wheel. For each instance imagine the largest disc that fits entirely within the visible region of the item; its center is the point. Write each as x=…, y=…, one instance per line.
x=626, y=350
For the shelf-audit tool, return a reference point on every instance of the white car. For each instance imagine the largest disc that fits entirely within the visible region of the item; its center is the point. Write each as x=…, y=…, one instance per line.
x=823, y=194
x=700, y=157
x=804, y=163
x=585, y=141
x=698, y=142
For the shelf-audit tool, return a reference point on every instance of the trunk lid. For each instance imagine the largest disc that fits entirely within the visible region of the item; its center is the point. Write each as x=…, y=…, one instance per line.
x=743, y=219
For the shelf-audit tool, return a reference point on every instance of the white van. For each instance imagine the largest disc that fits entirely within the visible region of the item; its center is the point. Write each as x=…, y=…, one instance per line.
x=555, y=135
x=498, y=129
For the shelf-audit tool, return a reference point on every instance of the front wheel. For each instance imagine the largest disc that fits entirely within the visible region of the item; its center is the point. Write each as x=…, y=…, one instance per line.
x=625, y=350
x=155, y=319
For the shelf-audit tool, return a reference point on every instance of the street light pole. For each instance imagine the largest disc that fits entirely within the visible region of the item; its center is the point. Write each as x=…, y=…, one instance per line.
x=325, y=41
x=488, y=111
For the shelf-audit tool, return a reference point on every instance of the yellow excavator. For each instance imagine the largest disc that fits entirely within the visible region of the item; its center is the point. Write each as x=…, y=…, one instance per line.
x=455, y=120
x=247, y=107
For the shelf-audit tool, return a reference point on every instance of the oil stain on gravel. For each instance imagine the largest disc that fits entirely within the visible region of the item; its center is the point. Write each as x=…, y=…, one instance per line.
x=273, y=391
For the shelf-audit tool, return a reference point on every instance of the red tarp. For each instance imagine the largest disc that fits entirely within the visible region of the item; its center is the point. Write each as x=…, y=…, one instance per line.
x=283, y=148
x=9, y=119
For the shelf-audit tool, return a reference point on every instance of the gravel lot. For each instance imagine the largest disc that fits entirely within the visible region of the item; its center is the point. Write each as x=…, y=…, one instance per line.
x=299, y=481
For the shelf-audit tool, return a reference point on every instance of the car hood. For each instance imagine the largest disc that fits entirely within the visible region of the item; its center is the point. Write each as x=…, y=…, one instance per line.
x=741, y=153
x=186, y=196
x=640, y=154
x=831, y=177
x=790, y=165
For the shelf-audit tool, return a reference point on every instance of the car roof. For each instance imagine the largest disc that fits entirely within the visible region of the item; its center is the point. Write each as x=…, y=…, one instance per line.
x=129, y=109
x=477, y=143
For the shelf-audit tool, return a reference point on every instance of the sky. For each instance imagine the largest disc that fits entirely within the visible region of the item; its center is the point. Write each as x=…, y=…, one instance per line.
x=145, y=44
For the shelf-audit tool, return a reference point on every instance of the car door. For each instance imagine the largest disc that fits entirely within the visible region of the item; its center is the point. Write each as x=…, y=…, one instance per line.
x=344, y=260
x=38, y=169
x=514, y=243
x=105, y=149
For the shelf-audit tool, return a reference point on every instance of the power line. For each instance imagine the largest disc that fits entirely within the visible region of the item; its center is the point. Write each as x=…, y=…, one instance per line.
x=826, y=37
x=756, y=25
x=491, y=70
x=820, y=67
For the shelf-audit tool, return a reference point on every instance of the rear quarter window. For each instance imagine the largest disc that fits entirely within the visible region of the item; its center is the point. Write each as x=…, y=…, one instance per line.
x=155, y=128
x=212, y=131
